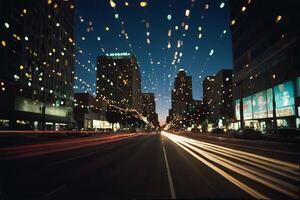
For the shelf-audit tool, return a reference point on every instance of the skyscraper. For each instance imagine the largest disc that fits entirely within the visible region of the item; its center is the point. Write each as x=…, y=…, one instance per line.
x=217, y=92
x=119, y=81
x=149, y=108
x=36, y=64
x=182, y=95
x=266, y=49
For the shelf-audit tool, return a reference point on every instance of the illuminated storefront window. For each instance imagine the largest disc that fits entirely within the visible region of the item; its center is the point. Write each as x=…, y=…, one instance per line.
x=237, y=109
x=298, y=122
x=282, y=123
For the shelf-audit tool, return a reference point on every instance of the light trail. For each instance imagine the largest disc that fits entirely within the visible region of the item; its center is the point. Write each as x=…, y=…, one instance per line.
x=25, y=151
x=269, y=172
x=247, y=155
x=258, y=165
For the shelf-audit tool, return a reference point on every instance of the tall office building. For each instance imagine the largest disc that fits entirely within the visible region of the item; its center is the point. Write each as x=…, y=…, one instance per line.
x=217, y=91
x=119, y=80
x=266, y=49
x=208, y=86
x=182, y=95
x=148, y=100
x=36, y=64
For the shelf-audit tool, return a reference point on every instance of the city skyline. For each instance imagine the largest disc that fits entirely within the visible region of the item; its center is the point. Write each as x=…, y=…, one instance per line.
x=204, y=49
x=82, y=84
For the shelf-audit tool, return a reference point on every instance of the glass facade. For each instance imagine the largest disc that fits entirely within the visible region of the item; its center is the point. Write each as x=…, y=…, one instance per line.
x=260, y=104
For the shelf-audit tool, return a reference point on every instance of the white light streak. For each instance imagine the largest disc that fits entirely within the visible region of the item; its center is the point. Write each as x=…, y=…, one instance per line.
x=255, y=167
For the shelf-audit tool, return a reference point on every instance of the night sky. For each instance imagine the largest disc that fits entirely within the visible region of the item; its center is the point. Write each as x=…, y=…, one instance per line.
x=100, y=29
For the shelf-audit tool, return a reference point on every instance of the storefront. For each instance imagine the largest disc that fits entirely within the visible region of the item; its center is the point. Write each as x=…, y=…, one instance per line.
x=258, y=108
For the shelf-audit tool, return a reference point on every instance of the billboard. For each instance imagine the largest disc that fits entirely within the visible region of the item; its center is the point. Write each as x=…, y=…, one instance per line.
x=247, y=107
x=259, y=105
x=237, y=109
x=284, y=99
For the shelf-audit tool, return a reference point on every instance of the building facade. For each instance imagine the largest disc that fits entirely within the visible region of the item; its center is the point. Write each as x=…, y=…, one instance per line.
x=266, y=49
x=217, y=91
x=36, y=64
x=89, y=113
x=208, y=87
x=119, y=80
x=181, y=96
x=149, y=108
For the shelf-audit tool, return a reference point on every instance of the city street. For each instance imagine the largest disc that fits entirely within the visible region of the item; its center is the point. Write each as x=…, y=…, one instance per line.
x=149, y=99
x=150, y=166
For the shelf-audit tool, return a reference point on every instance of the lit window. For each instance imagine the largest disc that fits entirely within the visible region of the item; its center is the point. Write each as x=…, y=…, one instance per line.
x=187, y=12
x=6, y=25
x=3, y=43
x=112, y=3
x=278, y=19
x=222, y=5
x=143, y=4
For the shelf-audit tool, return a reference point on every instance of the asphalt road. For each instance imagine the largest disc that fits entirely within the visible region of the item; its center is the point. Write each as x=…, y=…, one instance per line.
x=153, y=166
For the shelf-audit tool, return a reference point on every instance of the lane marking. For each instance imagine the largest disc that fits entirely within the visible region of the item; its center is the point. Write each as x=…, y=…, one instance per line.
x=172, y=190
x=53, y=191
x=72, y=158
